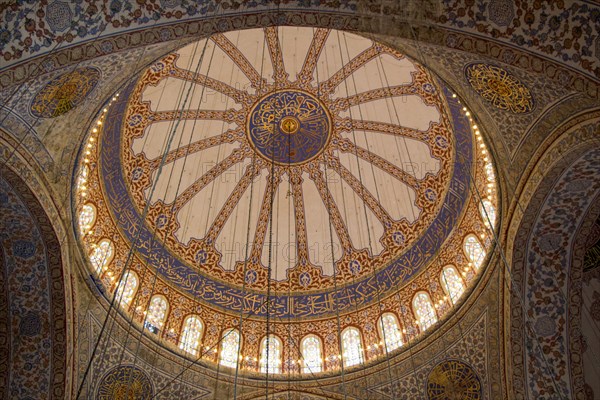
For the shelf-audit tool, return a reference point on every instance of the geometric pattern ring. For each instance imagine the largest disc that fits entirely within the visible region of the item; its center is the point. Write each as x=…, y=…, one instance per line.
x=453, y=380
x=289, y=127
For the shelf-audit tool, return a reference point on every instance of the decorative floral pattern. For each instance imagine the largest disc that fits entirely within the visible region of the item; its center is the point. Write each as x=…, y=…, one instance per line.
x=33, y=338
x=454, y=379
x=64, y=92
x=125, y=382
x=499, y=87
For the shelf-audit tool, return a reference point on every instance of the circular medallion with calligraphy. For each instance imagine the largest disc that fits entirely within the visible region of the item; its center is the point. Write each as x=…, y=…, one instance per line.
x=125, y=383
x=289, y=127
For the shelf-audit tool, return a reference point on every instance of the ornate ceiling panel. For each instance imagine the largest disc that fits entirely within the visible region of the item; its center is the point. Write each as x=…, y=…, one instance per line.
x=287, y=173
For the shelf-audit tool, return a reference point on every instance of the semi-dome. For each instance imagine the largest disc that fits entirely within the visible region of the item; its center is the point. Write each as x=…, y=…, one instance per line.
x=310, y=194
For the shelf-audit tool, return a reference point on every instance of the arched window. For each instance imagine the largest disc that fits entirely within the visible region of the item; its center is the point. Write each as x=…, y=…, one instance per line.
x=191, y=334
x=424, y=311
x=389, y=330
x=488, y=213
x=82, y=178
x=352, y=350
x=452, y=283
x=474, y=251
x=126, y=289
x=489, y=171
x=102, y=255
x=87, y=217
x=272, y=363
x=157, y=313
x=230, y=348
x=311, y=354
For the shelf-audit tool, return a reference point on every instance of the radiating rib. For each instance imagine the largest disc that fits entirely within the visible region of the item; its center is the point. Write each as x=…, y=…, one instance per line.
x=239, y=96
x=235, y=157
x=349, y=68
x=232, y=201
x=314, y=51
x=347, y=146
x=299, y=213
x=263, y=217
x=384, y=127
x=229, y=136
x=272, y=38
x=230, y=115
x=239, y=59
x=371, y=95
x=381, y=214
x=332, y=209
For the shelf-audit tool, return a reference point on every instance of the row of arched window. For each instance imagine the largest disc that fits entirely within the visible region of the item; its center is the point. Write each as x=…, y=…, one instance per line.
x=311, y=345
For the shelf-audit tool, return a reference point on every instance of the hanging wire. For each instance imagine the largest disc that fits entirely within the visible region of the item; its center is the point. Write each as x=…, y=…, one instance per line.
x=135, y=244
x=362, y=194
x=247, y=247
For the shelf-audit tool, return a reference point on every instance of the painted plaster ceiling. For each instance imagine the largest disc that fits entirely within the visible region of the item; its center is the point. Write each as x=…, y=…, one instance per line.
x=285, y=172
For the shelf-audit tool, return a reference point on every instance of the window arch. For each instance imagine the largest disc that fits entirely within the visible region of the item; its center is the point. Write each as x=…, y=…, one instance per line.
x=389, y=330
x=424, y=311
x=272, y=363
x=352, y=350
x=230, y=348
x=452, y=283
x=474, y=251
x=102, y=254
x=488, y=213
x=87, y=218
x=191, y=333
x=157, y=313
x=311, y=354
x=126, y=289
x=82, y=177
x=489, y=171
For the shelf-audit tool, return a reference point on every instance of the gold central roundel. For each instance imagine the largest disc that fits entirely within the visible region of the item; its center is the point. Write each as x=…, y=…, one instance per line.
x=289, y=125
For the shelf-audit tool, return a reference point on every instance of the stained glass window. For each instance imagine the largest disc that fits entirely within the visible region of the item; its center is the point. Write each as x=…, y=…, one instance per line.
x=452, y=283
x=489, y=171
x=488, y=213
x=157, y=312
x=102, y=255
x=474, y=251
x=352, y=351
x=191, y=335
x=126, y=289
x=311, y=354
x=423, y=309
x=272, y=363
x=82, y=178
x=389, y=330
x=87, y=217
x=230, y=348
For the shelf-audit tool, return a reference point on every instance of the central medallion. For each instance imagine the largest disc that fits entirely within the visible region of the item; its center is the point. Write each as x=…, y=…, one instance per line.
x=289, y=127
